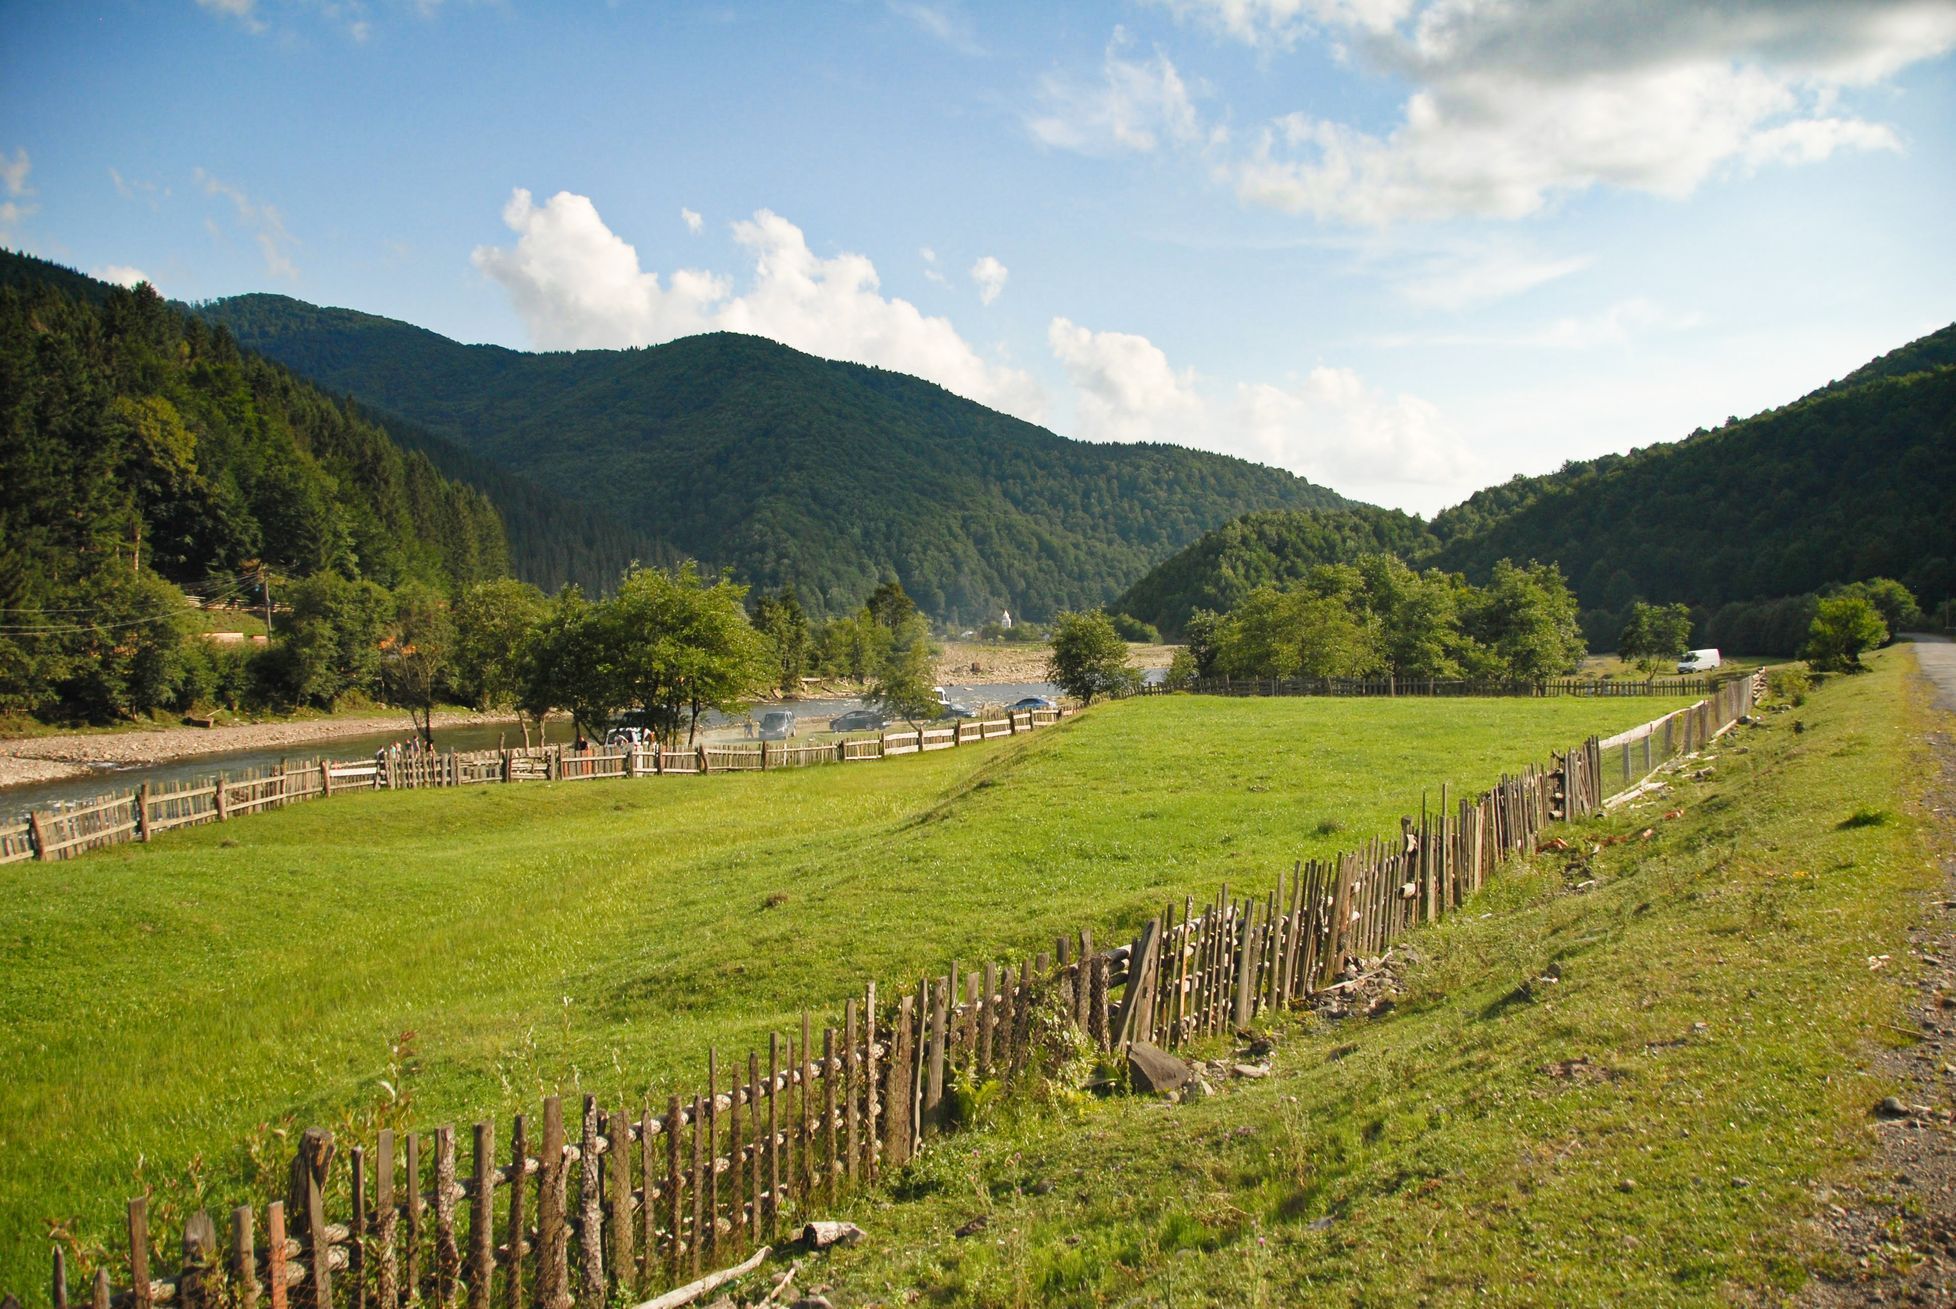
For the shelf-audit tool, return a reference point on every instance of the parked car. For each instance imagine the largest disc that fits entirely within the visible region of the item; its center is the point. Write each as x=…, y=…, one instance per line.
x=777, y=725
x=1698, y=661
x=953, y=709
x=1033, y=702
x=628, y=738
x=857, y=720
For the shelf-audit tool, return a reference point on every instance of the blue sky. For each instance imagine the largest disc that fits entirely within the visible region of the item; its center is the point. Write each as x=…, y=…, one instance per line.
x=1404, y=247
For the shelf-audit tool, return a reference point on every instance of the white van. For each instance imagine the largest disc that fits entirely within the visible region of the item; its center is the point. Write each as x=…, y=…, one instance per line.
x=1698, y=661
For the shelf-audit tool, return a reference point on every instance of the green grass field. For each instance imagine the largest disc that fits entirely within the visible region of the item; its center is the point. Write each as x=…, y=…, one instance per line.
x=177, y=1003
x=1653, y=1129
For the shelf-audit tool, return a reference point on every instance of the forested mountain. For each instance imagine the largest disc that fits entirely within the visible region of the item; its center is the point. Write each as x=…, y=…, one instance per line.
x=133, y=432
x=788, y=468
x=1855, y=480
x=1275, y=546
x=140, y=447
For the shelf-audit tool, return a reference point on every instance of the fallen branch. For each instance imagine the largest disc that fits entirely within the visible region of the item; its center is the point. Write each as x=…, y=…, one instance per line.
x=711, y=1282
x=782, y=1283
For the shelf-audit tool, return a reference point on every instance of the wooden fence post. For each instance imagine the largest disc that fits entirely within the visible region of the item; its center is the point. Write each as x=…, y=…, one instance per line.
x=307, y=1196
x=244, y=1259
x=142, y=812
x=38, y=833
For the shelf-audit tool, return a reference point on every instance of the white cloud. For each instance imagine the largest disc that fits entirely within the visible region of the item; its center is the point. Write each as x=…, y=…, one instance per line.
x=1330, y=426
x=263, y=222
x=694, y=223
x=245, y=11
x=577, y=284
x=1466, y=277
x=1336, y=430
x=989, y=275
x=122, y=275
x=1126, y=388
x=1518, y=103
x=1135, y=107
x=13, y=180
x=129, y=188
x=944, y=22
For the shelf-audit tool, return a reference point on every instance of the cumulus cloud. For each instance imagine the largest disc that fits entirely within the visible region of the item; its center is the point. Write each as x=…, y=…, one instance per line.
x=1136, y=106
x=262, y=222
x=1126, y=390
x=694, y=223
x=122, y=275
x=577, y=284
x=129, y=188
x=989, y=275
x=1329, y=426
x=1334, y=428
x=245, y=11
x=1517, y=104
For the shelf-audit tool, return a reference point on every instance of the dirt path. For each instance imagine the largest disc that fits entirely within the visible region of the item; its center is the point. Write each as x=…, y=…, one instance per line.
x=1897, y=1229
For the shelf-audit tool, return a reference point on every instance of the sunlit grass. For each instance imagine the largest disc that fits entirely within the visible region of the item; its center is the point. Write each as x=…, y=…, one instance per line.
x=161, y=1002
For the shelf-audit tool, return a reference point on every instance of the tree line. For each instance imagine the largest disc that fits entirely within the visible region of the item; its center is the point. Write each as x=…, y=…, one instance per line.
x=1379, y=617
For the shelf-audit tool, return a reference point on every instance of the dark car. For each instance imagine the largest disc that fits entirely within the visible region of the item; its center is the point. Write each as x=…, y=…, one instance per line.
x=1032, y=702
x=952, y=709
x=777, y=725
x=857, y=720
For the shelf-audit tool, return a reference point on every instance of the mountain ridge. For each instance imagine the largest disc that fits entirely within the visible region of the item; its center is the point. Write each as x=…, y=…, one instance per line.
x=792, y=469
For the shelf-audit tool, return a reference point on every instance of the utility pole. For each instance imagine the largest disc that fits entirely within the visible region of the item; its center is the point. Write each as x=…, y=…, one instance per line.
x=265, y=580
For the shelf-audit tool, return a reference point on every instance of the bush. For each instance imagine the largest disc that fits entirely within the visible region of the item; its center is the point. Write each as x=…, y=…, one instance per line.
x=1789, y=684
x=1133, y=629
x=1182, y=671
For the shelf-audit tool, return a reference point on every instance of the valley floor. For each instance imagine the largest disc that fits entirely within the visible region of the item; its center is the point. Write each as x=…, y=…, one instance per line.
x=171, y=1012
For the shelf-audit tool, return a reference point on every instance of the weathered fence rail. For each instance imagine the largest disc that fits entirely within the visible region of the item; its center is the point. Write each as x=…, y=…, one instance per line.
x=139, y=814
x=618, y=1200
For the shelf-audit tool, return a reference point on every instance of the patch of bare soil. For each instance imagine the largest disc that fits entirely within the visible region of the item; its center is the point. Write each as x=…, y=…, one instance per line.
x=1896, y=1232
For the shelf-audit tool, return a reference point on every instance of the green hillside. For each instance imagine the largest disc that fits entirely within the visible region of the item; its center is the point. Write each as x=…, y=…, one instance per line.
x=133, y=433
x=1277, y=546
x=788, y=468
x=1853, y=481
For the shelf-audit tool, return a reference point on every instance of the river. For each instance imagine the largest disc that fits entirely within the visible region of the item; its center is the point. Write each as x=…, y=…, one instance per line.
x=812, y=718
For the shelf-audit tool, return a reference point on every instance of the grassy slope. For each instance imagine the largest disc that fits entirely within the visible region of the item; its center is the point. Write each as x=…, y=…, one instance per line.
x=1437, y=1162
x=163, y=1000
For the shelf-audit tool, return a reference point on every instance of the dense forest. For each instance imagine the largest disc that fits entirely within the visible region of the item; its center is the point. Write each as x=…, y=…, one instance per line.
x=1748, y=523
x=792, y=470
x=144, y=451
x=1261, y=549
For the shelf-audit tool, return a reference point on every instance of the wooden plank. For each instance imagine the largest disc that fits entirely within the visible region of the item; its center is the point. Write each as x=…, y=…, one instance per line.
x=617, y=1187
x=196, y=1288
x=276, y=1281
x=987, y=1020
x=872, y=1109
x=411, y=1162
x=553, y=1232
x=934, y=1087
x=448, y=1255
x=482, y=1212
x=647, y=1264
x=139, y=1293
x=897, y=1121
x=308, y=1194
x=1140, y=972
x=805, y=1136
x=755, y=1172
x=701, y=1165
x=244, y=1260
x=517, y=1229
x=829, y=1079
x=712, y=1231
x=773, y=1228
x=356, y=1262
x=851, y=1088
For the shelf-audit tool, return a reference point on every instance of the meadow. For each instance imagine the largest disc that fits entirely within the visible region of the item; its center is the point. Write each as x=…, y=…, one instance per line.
x=1661, y=1124
x=170, y=1011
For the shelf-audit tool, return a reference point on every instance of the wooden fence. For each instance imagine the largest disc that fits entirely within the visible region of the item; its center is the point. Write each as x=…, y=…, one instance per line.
x=140, y=814
x=618, y=1200
x=1389, y=686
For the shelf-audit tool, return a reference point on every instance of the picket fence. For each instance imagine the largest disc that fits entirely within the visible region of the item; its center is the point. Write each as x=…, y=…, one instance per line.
x=139, y=814
x=614, y=1202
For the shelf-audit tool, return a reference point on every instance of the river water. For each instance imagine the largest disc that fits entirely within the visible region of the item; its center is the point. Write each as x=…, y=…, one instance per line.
x=812, y=716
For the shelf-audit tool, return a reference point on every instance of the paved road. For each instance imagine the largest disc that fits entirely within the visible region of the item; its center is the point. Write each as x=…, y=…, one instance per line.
x=1937, y=654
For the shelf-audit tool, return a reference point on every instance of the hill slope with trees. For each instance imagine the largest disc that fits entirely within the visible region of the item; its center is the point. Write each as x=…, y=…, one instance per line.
x=790, y=469
x=1851, y=482
x=142, y=448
